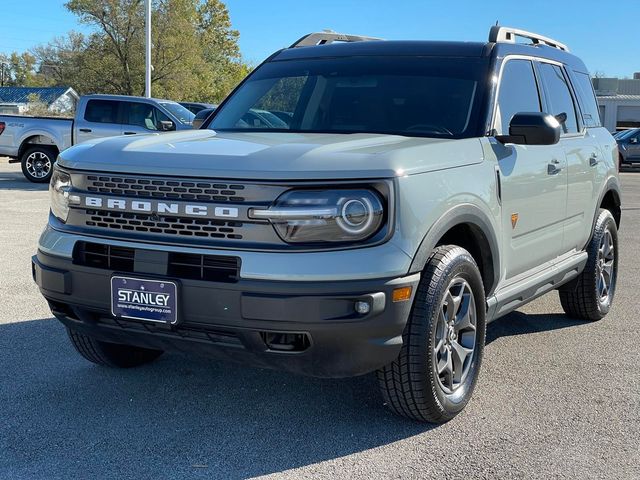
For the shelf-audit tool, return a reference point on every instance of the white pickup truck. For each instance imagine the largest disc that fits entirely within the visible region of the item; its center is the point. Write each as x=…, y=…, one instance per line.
x=35, y=142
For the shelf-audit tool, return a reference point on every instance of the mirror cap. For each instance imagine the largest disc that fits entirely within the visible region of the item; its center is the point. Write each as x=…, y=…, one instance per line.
x=167, y=125
x=532, y=128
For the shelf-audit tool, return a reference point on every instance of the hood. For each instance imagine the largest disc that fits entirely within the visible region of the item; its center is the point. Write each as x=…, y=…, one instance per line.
x=270, y=155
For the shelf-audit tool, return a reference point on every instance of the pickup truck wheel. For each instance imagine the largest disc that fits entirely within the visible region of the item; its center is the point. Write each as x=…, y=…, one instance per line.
x=37, y=164
x=434, y=376
x=111, y=354
x=591, y=296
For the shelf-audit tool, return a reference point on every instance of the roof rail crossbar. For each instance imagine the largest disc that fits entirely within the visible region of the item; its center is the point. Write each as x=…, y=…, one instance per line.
x=508, y=34
x=329, y=36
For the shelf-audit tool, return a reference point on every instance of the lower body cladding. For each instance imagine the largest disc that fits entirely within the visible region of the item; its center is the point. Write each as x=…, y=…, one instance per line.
x=324, y=329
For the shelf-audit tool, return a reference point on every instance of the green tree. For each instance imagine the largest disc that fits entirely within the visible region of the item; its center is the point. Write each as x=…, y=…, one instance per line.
x=18, y=70
x=195, y=53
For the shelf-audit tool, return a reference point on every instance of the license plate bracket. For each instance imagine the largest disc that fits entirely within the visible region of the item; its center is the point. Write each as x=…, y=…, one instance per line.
x=144, y=299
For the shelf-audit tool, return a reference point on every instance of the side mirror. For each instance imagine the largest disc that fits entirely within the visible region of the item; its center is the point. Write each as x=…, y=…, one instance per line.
x=532, y=128
x=634, y=140
x=167, y=126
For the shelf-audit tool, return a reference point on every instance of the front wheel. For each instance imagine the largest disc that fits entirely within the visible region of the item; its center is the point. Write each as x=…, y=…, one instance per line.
x=591, y=296
x=37, y=164
x=111, y=354
x=434, y=376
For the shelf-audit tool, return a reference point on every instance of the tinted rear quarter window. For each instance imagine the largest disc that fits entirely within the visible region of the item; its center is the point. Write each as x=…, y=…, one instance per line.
x=588, y=105
x=101, y=111
x=559, y=96
x=518, y=93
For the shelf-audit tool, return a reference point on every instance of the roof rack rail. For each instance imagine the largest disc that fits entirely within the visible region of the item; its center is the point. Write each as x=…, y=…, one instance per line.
x=329, y=36
x=507, y=34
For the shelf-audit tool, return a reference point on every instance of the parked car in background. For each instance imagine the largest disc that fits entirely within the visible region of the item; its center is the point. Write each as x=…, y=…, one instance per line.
x=195, y=107
x=36, y=141
x=628, y=146
x=201, y=116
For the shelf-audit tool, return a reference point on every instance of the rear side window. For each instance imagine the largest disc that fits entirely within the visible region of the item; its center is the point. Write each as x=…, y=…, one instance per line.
x=518, y=93
x=101, y=111
x=584, y=89
x=559, y=96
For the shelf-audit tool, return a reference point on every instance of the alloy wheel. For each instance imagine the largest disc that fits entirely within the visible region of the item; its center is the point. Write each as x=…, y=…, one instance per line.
x=606, y=272
x=38, y=164
x=455, y=336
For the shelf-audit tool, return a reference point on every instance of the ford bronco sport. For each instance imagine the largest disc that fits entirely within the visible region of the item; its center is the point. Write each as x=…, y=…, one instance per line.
x=355, y=205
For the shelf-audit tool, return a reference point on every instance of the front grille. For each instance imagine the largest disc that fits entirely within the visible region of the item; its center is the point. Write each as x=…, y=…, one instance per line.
x=215, y=268
x=169, y=189
x=106, y=257
x=191, y=266
x=165, y=225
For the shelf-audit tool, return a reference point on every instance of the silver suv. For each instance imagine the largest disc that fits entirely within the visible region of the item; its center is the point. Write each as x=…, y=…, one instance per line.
x=354, y=206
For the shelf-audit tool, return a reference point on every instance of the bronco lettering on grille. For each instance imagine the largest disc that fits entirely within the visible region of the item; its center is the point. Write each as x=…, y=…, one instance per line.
x=160, y=207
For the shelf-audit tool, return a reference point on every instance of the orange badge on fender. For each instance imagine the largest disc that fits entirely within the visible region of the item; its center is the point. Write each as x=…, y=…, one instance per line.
x=514, y=220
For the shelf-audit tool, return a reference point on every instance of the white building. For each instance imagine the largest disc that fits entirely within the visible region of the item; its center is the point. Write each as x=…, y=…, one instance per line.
x=16, y=100
x=619, y=102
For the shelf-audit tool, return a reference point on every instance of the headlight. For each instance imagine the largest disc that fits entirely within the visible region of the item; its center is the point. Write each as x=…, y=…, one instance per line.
x=325, y=216
x=59, y=192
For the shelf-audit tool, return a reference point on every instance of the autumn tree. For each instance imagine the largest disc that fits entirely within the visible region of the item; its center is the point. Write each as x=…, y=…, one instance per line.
x=195, y=53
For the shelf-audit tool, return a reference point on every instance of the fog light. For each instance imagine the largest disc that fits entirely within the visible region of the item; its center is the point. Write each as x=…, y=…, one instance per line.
x=362, y=307
x=401, y=294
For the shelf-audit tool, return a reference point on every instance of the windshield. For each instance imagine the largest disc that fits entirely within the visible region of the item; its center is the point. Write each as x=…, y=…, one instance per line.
x=412, y=96
x=183, y=115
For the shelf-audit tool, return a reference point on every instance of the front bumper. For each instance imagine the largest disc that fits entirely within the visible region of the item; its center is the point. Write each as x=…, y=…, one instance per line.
x=239, y=321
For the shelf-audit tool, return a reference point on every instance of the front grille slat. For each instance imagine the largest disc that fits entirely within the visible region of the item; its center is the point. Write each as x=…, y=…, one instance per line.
x=184, y=190
x=189, y=266
x=164, y=225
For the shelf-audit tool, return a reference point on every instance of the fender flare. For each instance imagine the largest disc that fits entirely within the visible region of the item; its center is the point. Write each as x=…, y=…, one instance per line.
x=611, y=185
x=22, y=146
x=466, y=213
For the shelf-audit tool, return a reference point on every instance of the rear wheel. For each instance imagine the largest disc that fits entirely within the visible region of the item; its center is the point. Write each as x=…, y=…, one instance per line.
x=435, y=374
x=37, y=164
x=111, y=354
x=591, y=296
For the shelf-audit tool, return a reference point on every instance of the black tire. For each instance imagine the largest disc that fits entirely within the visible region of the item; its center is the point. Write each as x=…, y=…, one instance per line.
x=37, y=163
x=111, y=354
x=411, y=385
x=583, y=298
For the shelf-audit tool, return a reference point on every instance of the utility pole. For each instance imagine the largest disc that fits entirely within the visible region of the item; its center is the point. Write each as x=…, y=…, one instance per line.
x=2, y=64
x=147, y=79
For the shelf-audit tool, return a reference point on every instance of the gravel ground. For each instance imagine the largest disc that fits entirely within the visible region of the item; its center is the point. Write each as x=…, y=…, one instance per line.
x=557, y=398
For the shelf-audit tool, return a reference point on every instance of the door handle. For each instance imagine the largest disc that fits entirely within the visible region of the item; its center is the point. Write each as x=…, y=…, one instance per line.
x=593, y=159
x=553, y=168
x=129, y=133
x=85, y=130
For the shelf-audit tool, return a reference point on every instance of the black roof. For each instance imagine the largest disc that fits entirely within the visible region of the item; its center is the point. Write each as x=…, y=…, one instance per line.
x=429, y=48
x=386, y=47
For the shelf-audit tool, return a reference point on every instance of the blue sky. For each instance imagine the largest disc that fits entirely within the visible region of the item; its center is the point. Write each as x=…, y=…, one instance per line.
x=606, y=38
